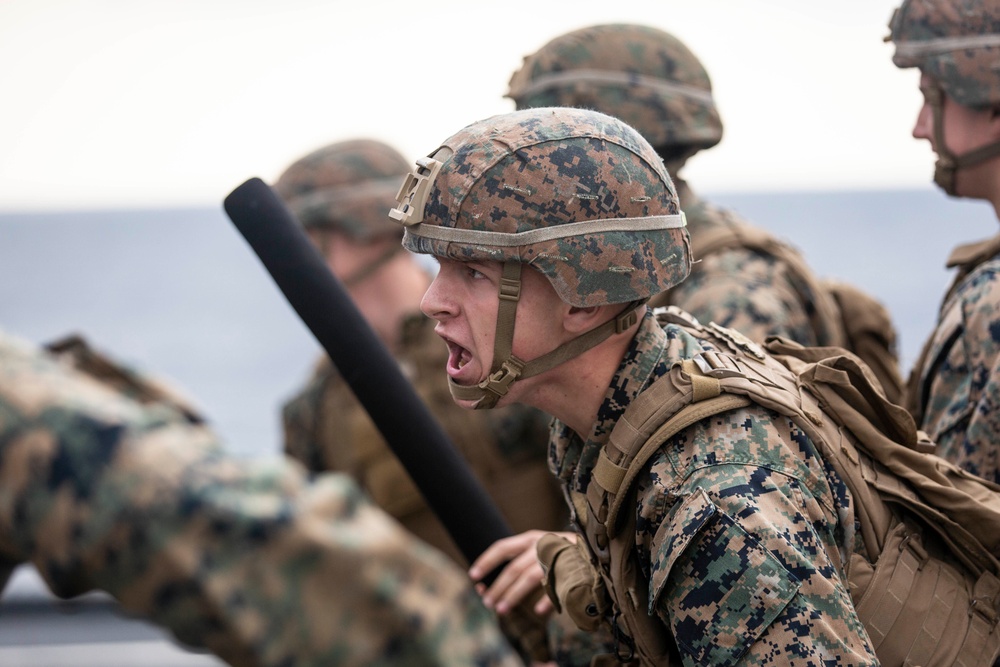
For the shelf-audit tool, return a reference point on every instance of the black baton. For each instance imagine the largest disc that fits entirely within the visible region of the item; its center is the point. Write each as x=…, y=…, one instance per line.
x=412, y=432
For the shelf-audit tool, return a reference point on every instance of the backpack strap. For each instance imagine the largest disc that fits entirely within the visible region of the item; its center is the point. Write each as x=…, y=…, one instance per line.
x=614, y=480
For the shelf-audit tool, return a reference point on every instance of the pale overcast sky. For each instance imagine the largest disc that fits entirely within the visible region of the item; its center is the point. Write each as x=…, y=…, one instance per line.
x=137, y=103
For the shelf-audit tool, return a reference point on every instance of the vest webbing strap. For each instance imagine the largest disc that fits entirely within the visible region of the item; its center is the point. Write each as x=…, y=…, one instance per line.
x=893, y=596
x=689, y=416
x=611, y=482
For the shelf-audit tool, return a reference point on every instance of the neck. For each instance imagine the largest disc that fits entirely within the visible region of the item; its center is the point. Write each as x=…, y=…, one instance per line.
x=390, y=295
x=574, y=391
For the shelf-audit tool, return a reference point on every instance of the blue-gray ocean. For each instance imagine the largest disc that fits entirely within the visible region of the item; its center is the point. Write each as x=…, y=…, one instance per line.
x=180, y=294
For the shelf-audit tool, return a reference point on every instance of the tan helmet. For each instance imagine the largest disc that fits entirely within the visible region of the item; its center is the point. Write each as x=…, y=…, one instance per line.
x=644, y=76
x=956, y=43
x=347, y=187
x=577, y=195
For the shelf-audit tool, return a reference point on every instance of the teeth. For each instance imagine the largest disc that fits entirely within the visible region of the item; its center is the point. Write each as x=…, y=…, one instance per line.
x=461, y=363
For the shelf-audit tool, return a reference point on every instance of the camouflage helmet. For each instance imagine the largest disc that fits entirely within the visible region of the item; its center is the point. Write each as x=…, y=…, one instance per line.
x=956, y=44
x=644, y=76
x=347, y=187
x=576, y=194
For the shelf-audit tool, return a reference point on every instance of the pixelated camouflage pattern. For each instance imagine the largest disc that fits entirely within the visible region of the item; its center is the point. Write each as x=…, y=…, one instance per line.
x=955, y=391
x=253, y=561
x=970, y=75
x=664, y=118
x=327, y=429
x=756, y=293
x=738, y=526
x=545, y=167
x=347, y=186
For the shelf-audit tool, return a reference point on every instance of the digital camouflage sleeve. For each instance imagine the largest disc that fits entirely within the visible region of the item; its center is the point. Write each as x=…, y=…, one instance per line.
x=252, y=561
x=955, y=390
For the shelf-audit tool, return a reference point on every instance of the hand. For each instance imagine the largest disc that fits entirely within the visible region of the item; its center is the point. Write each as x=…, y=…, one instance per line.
x=519, y=579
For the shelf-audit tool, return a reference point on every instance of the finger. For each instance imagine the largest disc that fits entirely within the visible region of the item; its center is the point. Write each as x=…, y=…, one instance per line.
x=502, y=551
x=528, y=582
x=507, y=578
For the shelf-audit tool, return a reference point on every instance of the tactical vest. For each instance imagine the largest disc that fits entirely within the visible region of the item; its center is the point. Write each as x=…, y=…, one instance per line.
x=926, y=585
x=841, y=315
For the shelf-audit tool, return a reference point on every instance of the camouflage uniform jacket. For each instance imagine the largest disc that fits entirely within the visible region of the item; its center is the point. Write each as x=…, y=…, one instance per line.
x=750, y=291
x=756, y=581
x=327, y=429
x=954, y=390
x=252, y=561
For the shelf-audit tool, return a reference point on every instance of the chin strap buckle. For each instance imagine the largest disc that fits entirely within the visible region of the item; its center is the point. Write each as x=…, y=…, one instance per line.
x=626, y=320
x=500, y=380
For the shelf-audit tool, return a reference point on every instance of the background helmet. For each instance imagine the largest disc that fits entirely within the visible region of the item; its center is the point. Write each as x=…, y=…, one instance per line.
x=954, y=42
x=644, y=76
x=347, y=187
x=576, y=194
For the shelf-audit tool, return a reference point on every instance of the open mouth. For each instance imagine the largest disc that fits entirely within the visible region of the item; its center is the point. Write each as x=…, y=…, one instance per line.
x=458, y=357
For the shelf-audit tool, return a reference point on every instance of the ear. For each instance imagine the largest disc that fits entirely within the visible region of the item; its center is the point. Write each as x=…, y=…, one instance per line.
x=580, y=320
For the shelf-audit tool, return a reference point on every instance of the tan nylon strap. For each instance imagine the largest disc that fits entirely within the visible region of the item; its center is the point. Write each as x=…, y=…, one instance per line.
x=939, y=607
x=554, y=233
x=509, y=293
x=893, y=596
x=704, y=387
x=975, y=641
x=608, y=475
x=622, y=322
x=507, y=368
x=691, y=414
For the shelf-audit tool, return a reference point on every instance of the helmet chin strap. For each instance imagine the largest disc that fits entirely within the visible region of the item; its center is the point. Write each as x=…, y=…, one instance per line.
x=507, y=368
x=947, y=165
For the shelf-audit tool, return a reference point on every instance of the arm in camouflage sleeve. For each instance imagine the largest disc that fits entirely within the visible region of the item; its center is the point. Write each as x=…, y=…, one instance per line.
x=961, y=412
x=739, y=523
x=250, y=560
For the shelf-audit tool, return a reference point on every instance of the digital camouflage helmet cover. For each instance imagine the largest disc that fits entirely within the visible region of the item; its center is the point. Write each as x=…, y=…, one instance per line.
x=579, y=196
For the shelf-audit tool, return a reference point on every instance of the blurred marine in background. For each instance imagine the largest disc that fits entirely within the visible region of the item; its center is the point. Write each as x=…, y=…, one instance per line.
x=255, y=561
x=954, y=389
x=743, y=277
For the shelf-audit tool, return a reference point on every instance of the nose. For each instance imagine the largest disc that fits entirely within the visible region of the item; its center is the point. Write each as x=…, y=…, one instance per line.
x=923, y=127
x=435, y=302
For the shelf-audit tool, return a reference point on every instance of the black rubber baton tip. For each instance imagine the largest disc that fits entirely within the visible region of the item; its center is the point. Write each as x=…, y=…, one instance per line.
x=409, y=428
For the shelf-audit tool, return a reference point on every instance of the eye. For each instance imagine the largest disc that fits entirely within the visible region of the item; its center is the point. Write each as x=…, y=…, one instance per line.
x=473, y=272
